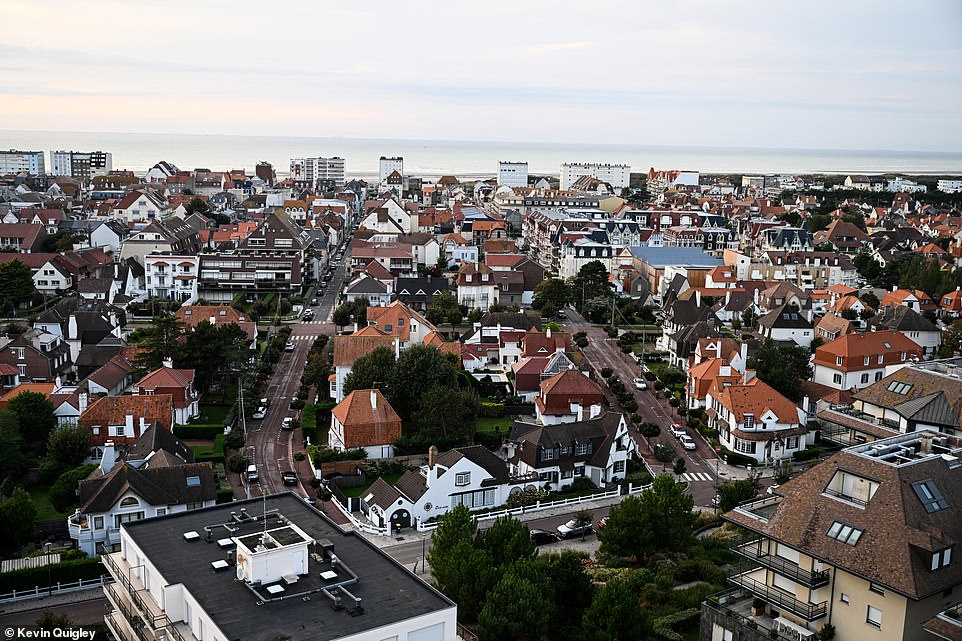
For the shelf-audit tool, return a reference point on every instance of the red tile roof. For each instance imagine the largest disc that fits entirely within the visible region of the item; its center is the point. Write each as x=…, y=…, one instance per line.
x=368, y=419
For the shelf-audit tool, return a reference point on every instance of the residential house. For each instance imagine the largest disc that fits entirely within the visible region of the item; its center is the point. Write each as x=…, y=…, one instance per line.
x=831, y=326
x=141, y=205
x=812, y=550
x=911, y=324
x=398, y=320
x=754, y=420
x=477, y=287
x=179, y=384
x=155, y=477
x=172, y=277
x=365, y=420
x=23, y=238
x=914, y=299
x=787, y=324
x=376, y=292
x=348, y=349
x=38, y=356
x=193, y=315
x=171, y=236
x=842, y=235
x=854, y=361
x=567, y=397
x=596, y=446
x=417, y=292
x=123, y=419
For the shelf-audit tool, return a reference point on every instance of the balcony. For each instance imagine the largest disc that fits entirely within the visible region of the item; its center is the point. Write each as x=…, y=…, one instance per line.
x=753, y=550
x=779, y=598
x=735, y=607
x=136, y=605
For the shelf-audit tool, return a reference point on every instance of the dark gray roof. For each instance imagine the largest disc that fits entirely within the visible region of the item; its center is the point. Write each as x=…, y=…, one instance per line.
x=483, y=458
x=389, y=592
x=932, y=409
x=366, y=285
x=158, y=438
x=901, y=319
x=157, y=486
x=785, y=317
x=412, y=484
x=516, y=320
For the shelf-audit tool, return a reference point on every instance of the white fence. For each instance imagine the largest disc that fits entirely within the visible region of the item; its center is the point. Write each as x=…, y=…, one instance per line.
x=59, y=588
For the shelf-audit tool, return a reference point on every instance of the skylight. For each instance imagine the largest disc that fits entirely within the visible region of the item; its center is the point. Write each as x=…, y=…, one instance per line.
x=899, y=387
x=193, y=481
x=847, y=534
x=887, y=345
x=931, y=498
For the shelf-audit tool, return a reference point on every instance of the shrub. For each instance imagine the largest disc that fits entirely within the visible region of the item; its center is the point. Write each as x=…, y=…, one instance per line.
x=213, y=455
x=324, y=455
x=606, y=372
x=582, y=483
x=738, y=460
x=526, y=497
x=636, y=418
x=806, y=455
x=225, y=494
x=236, y=462
x=236, y=439
x=491, y=410
x=650, y=430
x=68, y=571
x=664, y=453
x=63, y=493
x=630, y=405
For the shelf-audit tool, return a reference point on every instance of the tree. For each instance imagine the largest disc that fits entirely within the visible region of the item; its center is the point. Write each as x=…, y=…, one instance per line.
x=18, y=513
x=461, y=571
x=519, y=607
x=951, y=339
x=572, y=590
x=16, y=283
x=446, y=412
x=783, y=367
x=731, y=493
x=679, y=468
x=12, y=462
x=67, y=447
x=418, y=369
x=64, y=243
x=63, y=493
x=507, y=540
x=870, y=299
x=615, y=614
x=443, y=309
x=35, y=417
x=660, y=518
x=554, y=292
x=591, y=282
x=216, y=353
x=374, y=369
x=197, y=206
x=50, y=621
x=158, y=342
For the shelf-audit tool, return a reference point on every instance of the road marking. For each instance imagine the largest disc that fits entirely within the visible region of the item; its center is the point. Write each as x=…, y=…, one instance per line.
x=697, y=476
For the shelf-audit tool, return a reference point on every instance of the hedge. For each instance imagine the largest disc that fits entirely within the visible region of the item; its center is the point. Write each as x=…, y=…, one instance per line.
x=199, y=432
x=213, y=455
x=68, y=571
x=662, y=626
x=738, y=460
x=309, y=422
x=491, y=410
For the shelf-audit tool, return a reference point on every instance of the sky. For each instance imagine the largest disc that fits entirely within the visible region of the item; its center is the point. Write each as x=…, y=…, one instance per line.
x=877, y=74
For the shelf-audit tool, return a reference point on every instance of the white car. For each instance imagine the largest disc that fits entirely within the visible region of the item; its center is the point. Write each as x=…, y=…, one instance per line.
x=678, y=430
x=287, y=423
x=251, y=474
x=574, y=528
x=687, y=442
x=259, y=413
x=641, y=384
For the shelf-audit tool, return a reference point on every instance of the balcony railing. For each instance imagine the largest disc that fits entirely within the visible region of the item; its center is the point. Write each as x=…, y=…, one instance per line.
x=780, y=598
x=145, y=612
x=845, y=497
x=754, y=550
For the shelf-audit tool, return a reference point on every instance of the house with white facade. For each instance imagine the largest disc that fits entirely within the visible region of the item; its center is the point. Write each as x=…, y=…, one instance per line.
x=172, y=277
x=365, y=420
x=855, y=361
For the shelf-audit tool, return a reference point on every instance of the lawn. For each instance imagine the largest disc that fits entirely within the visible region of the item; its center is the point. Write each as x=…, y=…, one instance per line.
x=359, y=491
x=491, y=425
x=41, y=501
x=211, y=414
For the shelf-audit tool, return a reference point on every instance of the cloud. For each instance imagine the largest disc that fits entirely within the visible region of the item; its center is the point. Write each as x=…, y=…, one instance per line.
x=554, y=47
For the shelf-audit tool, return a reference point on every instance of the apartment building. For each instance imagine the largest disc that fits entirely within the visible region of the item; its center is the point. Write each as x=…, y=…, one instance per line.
x=316, y=172
x=81, y=165
x=388, y=165
x=863, y=542
x=22, y=162
x=263, y=568
x=854, y=361
x=616, y=175
x=513, y=174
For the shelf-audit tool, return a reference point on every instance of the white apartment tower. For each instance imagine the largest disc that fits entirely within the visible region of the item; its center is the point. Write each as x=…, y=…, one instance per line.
x=16, y=162
x=312, y=171
x=82, y=165
x=615, y=175
x=388, y=165
x=513, y=174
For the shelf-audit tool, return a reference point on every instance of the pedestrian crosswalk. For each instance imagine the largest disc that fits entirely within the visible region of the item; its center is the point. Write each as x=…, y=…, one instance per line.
x=314, y=322
x=697, y=476
x=303, y=338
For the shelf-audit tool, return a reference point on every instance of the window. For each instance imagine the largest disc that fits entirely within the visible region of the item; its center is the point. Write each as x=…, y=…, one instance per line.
x=129, y=502
x=876, y=588
x=98, y=522
x=127, y=518
x=878, y=376
x=462, y=478
x=843, y=598
x=930, y=496
x=866, y=360
x=749, y=421
x=195, y=505
x=580, y=470
x=865, y=378
x=745, y=447
x=836, y=378
x=547, y=455
x=791, y=442
x=619, y=466
x=193, y=481
x=845, y=533
x=567, y=474
x=941, y=559
x=838, y=360
x=880, y=357
x=874, y=617
x=582, y=448
x=161, y=511
x=899, y=387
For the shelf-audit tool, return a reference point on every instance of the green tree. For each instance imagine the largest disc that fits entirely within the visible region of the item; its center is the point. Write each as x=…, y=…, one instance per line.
x=67, y=447
x=64, y=243
x=572, y=590
x=16, y=283
x=35, y=417
x=591, y=282
x=442, y=308
x=159, y=341
x=216, y=353
x=783, y=367
x=197, y=206
x=371, y=370
x=731, y=493
x=461, y=570
x=518, y=607
x=660, y=518
x=507, y=540
x=418, y=369
x=951, y=339
x=12, y=462
x=18, y=513
x=63, y=493
x=446, y=412
x=616, y=615
x=554, y=292
x=50, y=621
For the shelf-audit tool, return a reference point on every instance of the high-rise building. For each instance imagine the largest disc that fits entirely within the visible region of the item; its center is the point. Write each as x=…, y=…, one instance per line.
x=312, y=172
x=615, y=175
x=265, y=171
x=16, y=162
x=513, y=174
x=389, y=165
x=81, y=165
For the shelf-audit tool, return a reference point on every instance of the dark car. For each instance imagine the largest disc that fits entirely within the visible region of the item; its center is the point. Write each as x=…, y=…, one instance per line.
x=543, y=537
x=289, y=478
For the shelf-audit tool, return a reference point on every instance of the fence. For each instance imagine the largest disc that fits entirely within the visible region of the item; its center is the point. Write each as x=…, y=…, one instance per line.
x=59, y=588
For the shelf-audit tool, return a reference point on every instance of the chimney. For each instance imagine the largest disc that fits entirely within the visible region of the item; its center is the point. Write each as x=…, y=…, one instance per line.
x=128, y=424
x=168, y=363
x=548, y=332
x=594, y=410
x=373, y=399
x=82, y=402
x=925, y=443
x=432, y=456
x=749, y=375
x=109, y=458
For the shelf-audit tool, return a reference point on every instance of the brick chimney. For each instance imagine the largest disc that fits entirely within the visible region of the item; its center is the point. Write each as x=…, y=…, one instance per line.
x=432, y=456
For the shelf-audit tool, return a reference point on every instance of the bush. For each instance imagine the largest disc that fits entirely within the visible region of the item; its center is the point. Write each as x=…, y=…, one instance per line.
x=491, y=410
x=297, y=403
x=806, y=455
x=325, y=455
x=526, y=497
x=606, y=372
x=63, y=493
x=664, y=453
x=213, y=455
x=67, y=571
x=236, y=439
x=225, y=494
x=309, y=422
x=582, y=483
x=738, y=460
x=650, y=430
x=236, y=462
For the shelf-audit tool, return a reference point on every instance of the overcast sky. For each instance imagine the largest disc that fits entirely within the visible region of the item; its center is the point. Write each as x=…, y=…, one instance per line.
x=844, y=74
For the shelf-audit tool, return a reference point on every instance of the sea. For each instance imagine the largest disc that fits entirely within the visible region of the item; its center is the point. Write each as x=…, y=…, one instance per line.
x=467, y=159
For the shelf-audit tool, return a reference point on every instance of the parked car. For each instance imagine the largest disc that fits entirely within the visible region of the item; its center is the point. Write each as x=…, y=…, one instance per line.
x=562, y=314
x=264, y=402
x=314, y=302
x=309, y=315
x=259, y=413
x=543, y=537
x=289, y=478
x=287, y=423
x=687, y=442
x=602, y=523
x=678, y=430
x=641, y=384
x=574, y=528
x=251, y=474
x=289, y=347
